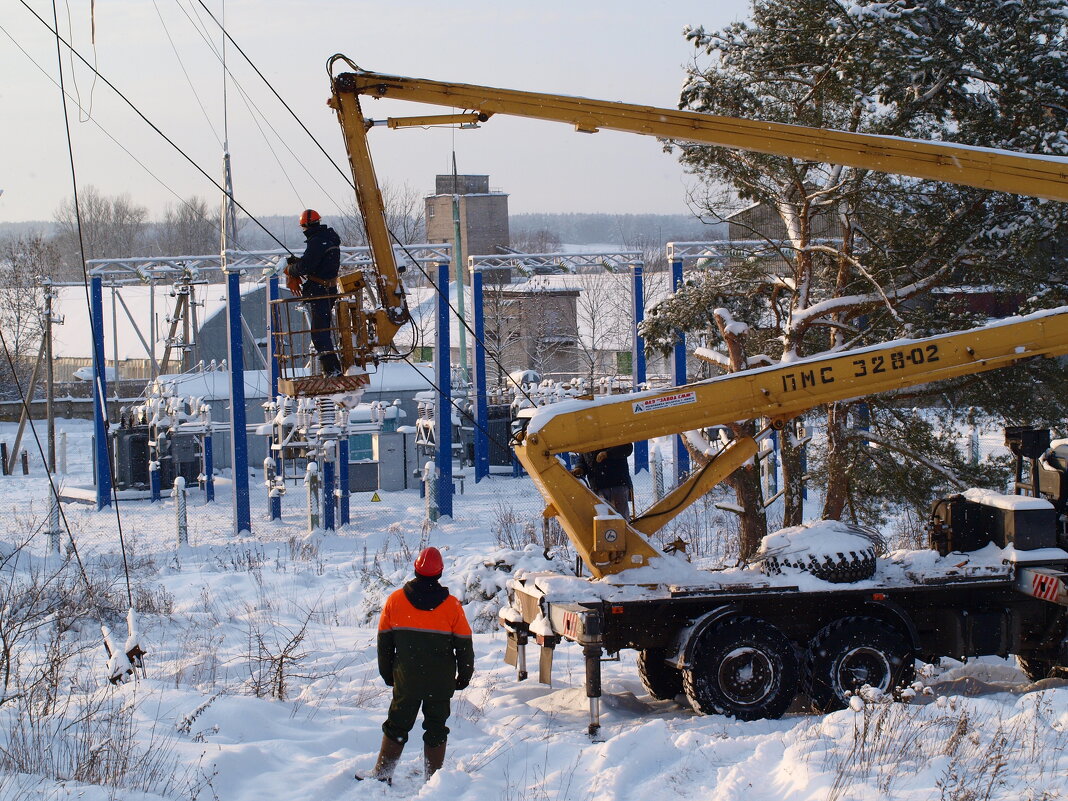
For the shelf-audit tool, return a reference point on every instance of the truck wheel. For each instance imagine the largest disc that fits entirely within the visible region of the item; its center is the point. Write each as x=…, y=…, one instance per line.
x=744, y=668
x=663, y=681
x=1038, y=665
x=852, y=652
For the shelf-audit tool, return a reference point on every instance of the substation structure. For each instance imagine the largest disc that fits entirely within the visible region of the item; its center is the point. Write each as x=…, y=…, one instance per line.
x=314, y=430
x=312, y=427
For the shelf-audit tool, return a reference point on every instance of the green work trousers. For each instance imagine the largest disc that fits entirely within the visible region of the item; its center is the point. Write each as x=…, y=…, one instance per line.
x=405, y=709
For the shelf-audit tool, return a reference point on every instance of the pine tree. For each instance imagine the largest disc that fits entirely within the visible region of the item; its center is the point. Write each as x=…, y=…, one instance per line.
x=852, y=256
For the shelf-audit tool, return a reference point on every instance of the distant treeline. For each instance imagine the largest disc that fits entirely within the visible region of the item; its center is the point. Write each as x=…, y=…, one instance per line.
x=630, y=230
x=624, y=230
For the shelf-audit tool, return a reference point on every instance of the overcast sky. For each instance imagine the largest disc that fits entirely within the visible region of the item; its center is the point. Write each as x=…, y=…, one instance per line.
x=163, y=55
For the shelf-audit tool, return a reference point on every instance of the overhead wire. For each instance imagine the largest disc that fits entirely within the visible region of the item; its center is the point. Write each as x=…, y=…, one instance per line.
x=84, y=114
x=97, y=123
x=51, y=482
x=188, y=80
x=156, y=128
x=300, y=122
x=347, y=178
x=97, y=384
x=98, y=387
x=254, y=110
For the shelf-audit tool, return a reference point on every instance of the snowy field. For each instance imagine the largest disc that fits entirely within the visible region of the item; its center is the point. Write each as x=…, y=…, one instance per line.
x=261, y=678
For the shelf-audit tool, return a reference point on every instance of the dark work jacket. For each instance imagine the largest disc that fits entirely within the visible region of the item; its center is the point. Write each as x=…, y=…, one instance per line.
x=424, y=641
x=320, y=262
x=612, y=472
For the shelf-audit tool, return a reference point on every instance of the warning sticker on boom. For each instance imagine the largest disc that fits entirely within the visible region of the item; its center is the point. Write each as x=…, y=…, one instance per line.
x=665, y=401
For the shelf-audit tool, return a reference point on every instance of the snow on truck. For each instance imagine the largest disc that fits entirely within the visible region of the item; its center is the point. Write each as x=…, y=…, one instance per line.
x=823, y=615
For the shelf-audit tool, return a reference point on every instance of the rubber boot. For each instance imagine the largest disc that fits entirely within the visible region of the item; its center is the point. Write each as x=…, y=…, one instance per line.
x=330, y=365
x=433, y=758
x=387, y=760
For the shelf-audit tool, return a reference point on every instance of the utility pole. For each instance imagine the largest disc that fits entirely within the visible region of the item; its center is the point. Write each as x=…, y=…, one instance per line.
x=228, y=224
x=458, y=261
x=49, y=320
x=235, y=333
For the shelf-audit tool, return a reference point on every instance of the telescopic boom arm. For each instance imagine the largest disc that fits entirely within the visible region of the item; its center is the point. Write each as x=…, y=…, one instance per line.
x=607, y=543
x=777, y=393
x=985, y=168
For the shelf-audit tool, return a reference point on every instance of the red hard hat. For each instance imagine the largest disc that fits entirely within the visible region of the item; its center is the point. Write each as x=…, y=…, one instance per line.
x=429, y=563
x=309, y=216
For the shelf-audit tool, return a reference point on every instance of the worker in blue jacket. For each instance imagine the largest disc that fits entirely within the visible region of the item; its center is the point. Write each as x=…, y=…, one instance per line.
x=313, y=276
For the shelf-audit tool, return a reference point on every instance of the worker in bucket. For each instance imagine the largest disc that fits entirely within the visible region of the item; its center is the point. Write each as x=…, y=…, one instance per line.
x=425, y=655
x=313, y=276
x=608, y=474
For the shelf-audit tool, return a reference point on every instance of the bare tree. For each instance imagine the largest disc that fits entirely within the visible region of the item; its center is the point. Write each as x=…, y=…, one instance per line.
x=548, y=325
x=405, y=216
x=110, y=227
x=500, y=310
x=189, y=228
x=603, y=323
x=23, y=260
x=540, y=240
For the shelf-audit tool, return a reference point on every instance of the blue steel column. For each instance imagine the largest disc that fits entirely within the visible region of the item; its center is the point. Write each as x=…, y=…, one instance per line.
x=343, y=477
x=481, y=403
x=329, y=498
x=209, y=467
x=238, y=429
x=678, y=376
x=273, y=374
x=102, y=464
x=272, y=348
x=637, y=366
x=443, y=417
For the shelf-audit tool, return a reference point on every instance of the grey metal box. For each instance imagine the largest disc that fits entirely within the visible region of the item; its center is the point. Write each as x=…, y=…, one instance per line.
x=396, y=457
x=363, y=476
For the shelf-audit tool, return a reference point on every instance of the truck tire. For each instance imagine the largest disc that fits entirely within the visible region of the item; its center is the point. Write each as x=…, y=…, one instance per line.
x=837, y=568
x=742, y=667
x=661, y=680
x=852, y=652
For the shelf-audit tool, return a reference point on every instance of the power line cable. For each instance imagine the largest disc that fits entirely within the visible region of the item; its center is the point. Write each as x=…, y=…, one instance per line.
x=97, y=383
x=85, y=114
x=95, y=122
x=188, y=80
x=154, y=127
x=254, y=110
x=51, y=483
x=229, y=38
x=313, y=138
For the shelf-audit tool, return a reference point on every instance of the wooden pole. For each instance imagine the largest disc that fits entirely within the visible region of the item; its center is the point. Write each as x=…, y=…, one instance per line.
x=13, y=457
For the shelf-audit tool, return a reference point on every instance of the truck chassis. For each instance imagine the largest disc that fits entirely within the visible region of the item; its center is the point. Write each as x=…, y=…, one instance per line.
x=749, y=645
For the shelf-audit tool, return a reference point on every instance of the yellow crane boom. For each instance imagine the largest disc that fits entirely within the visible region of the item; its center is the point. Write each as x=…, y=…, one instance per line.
x=986, y=168
x=607, y=543
x=778, y=393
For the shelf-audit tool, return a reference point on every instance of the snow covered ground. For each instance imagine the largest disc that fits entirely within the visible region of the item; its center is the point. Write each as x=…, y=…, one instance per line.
x=207, y=722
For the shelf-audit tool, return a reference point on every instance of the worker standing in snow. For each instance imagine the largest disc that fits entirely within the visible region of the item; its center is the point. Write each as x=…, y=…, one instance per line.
x=608, y=474
x=314, y=277
x=425, y=655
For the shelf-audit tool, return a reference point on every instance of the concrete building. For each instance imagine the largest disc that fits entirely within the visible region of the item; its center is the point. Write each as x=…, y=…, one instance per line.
x=483, y=215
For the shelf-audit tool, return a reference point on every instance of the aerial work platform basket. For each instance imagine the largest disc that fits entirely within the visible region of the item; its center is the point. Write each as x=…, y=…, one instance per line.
x=299, y=364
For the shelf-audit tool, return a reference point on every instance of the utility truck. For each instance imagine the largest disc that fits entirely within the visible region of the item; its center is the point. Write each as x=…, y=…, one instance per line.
x=823, y=617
